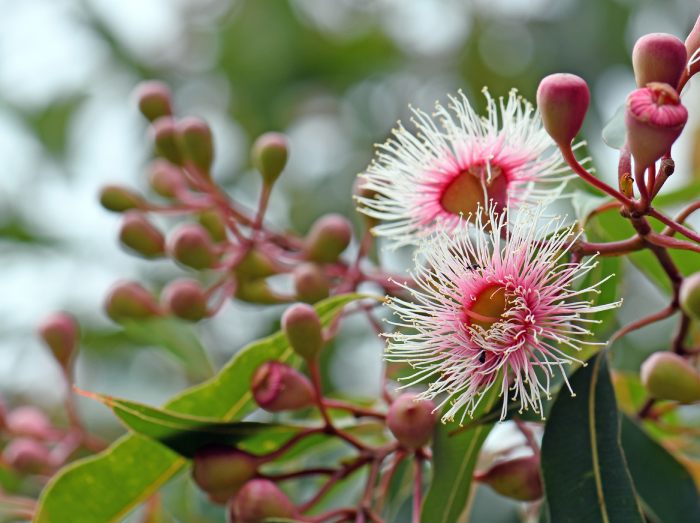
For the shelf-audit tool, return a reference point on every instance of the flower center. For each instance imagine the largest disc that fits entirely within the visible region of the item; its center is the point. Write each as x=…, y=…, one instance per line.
x=488, y=308
x=470, y=189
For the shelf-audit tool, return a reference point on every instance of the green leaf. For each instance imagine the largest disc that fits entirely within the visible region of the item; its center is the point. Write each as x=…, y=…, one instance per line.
x=678, y=196
x=666, y=489
x=615, y=131
x=585, y=475
x=140, y=466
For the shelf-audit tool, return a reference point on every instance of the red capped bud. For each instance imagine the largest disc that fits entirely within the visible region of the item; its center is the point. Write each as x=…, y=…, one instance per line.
x=668, y=376
x=689, y=296
x=26, y=455
x=166, y=139
x=197, y=142
x=259, y=500
x=191, y=245
x=185, y=299
x=658, y=57
x=141, y=236
x=258, y=291
x=278, y=387
x=154, y=99
x=269, y=154
x=165, y=178
x=654, y=118
x=516, y=478
x=29, y=422
x=255, y=264
x=692, y=44
x=310, y=283
x=222, y=471
x=329, y=236
x=302, y=326
x=119, y=199
x=130, y=301
x=215, y=225
x=411, y=420
x=562, y=100
x=60, y=333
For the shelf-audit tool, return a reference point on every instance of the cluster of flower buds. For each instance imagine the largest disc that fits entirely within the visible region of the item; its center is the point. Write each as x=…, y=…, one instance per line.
x=31, y=437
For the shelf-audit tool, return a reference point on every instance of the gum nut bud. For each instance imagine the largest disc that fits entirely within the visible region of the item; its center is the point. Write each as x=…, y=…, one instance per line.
x=411, y=420
x=654, y=120
x=191, y=245
x=310, y=283
x=517, y=478
x=269, y=154
x=165, y=178
x=214, y=223
x=328, y=238
x=689, y=296
x=658, y=57
x=197, y=141
x=140, y=236
x=130, y=301
x=278, y=387
x=302, y=326
x=119, y=199
x=154, y=99
x=185, y=299
x=692, y=44
x=255, y=264
x=60, y=333
x=258, y=291
x=668, y=376
x=562, y=100
x=259, y=500
x=165, y=137
x=29, y=422
x=221, y=471
x=26, y=455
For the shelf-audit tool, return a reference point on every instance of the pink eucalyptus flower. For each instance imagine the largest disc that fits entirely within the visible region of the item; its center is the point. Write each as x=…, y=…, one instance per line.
x=493, y=308
x=440, y=175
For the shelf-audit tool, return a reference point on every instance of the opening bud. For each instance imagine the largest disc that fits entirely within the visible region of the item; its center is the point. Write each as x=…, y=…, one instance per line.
x=140, y=236
x=516, y=478
x=310, y=283
x=185, y=299
x=668, y=376
x=562, y=100
x=28, y=422
x=26, y=455
x=165, y=178
x=269, y=154
x=654, y=120
x=197, y=142
x=302, y=326
x=214, y=223
x=221, y=471
x=259, y=500
x=191, y=245
x=166, y=139
x=130, y=301
x=278, y=387
x=690, y=296
x=119, y=199
x=328, y=237
x=154, y=99
x=658, y=57
x=60, y=333
x=411, y=420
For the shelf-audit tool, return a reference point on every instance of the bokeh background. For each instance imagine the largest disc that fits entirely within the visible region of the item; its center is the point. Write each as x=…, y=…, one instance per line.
x=335, y=75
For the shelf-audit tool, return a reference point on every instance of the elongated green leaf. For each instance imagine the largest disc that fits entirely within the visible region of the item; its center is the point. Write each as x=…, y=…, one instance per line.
x=678, y=196
x=584, y=470
x=135, y=467
x=615, y=131
x=665, y=487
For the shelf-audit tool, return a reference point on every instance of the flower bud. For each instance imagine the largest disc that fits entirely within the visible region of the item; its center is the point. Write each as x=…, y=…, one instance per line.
x=658, y=57
x=692, y=44
x=411, y=420
x=255, y=264
x=668, y=376
x=185, y=299
x=191, y=245
x=517, y=478
x=363, y=194
x=562, y=100
x=197, y=142
x=302, y=326
x=166, y=139
x=165, y=178
x=154, y=99
x=258, y=291
x=141, y=236
x=259, y=500
x=269, y=154
x=221, y=471
x=26, y=455
x=278, y=387
x=310, y=283
x=29, y=422
x=60, y=333
x=119, y=199
x=654, y=120
x=328, y=238
x=130, y=301
x=689, y=296
x=215, y=225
